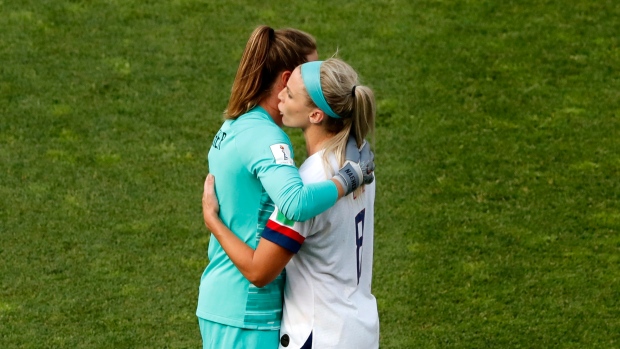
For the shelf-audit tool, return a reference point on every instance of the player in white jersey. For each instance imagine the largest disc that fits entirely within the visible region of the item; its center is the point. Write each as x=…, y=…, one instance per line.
x=328, y=259
x=327, y=290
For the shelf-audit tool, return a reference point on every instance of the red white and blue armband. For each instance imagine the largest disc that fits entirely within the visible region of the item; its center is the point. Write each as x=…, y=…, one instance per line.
x=281, y=231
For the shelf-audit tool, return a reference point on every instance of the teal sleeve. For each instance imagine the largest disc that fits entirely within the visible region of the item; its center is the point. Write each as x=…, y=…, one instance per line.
x=282, y=182
x=296, y=200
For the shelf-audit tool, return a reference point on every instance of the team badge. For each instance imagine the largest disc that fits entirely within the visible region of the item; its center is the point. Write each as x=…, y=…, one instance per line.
x=282, y=154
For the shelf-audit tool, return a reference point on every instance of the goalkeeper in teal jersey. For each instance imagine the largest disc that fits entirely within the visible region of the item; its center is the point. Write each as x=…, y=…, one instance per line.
x=253, y=161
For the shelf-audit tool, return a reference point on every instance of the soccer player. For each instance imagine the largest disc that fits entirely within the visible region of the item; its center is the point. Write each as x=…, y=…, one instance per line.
x=253, y=160
x=328, y=259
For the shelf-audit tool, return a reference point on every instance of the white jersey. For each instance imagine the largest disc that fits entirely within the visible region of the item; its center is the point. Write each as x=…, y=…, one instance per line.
x=327, y=291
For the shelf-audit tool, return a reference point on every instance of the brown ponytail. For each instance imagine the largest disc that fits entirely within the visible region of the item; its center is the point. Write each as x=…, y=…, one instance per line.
x=267, y=53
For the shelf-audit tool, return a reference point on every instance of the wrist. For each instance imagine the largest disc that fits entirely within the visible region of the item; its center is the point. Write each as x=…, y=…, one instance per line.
x=349, y=176
x=212, y=220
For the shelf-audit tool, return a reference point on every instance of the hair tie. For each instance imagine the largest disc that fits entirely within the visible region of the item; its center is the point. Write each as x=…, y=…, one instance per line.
x=311, y=75
x=353, y=91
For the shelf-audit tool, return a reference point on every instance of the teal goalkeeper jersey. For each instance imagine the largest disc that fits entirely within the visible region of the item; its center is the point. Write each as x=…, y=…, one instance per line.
x=252, y=161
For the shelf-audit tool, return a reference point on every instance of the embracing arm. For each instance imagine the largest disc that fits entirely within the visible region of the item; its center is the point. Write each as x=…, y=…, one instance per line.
x=297, y=201
x=260, y=267
x=301, y=202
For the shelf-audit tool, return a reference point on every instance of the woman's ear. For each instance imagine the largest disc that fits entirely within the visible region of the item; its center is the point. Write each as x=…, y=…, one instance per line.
x=316, y=116
x=284, y=77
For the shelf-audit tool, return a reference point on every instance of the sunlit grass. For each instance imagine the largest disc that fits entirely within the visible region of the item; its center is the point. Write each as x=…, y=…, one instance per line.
x=497, y=166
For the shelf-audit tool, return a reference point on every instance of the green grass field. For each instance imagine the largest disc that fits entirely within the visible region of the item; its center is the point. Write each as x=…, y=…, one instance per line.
x=497, y=148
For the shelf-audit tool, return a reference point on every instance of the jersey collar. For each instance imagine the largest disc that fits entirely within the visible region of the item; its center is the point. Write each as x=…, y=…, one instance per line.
x=260, y=110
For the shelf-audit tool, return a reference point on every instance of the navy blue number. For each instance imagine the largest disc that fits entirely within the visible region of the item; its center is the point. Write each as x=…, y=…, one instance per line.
x=359, y=240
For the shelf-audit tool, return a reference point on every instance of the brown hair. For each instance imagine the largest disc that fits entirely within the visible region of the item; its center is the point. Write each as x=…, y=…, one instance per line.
x=267, y=53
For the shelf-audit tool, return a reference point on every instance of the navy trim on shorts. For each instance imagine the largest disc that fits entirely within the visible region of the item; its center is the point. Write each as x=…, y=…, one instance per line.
x=308, y=344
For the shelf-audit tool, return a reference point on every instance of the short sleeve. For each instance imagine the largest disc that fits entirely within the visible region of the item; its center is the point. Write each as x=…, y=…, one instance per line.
x=285, y=232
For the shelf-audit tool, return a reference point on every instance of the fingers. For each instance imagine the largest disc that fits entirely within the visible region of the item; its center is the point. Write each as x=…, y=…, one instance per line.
x=209, y=199
x=352, y=152
x=210, y=206
x=371, y=167
x=365, y=153
x=209, y=186
x=364, y=144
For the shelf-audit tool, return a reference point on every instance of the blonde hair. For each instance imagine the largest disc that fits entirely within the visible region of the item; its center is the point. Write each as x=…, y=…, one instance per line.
x=356, y=108
x=267, y=53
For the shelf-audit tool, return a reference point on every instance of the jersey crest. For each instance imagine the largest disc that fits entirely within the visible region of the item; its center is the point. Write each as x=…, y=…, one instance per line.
x=282, y=154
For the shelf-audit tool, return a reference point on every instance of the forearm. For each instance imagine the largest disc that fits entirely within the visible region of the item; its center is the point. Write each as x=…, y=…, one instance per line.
x=295, y=200
x=239, y=253
x=260, y=267
x=339, y=187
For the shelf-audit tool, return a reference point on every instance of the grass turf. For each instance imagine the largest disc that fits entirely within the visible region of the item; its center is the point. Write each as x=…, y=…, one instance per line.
x=497, y=150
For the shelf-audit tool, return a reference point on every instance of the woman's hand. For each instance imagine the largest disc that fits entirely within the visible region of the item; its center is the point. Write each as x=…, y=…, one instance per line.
x=358, y=168
x=210, y=206
x=260, y=267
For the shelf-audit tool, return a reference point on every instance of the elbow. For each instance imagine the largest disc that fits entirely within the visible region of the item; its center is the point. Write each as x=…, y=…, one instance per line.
x=259, y=283
x=293, y=211
x=260, y=280
x=288, y=211
x=293, y=208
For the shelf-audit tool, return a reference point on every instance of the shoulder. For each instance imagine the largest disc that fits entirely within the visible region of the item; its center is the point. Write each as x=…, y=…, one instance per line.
x=260, y=142
x=255, y=129
x=313, y=169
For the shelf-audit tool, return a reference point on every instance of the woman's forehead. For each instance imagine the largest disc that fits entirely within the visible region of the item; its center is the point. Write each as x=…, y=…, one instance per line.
x=295, y=81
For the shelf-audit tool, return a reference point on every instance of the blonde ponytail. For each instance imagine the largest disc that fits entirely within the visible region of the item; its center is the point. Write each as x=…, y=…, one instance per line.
x=354, y=103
